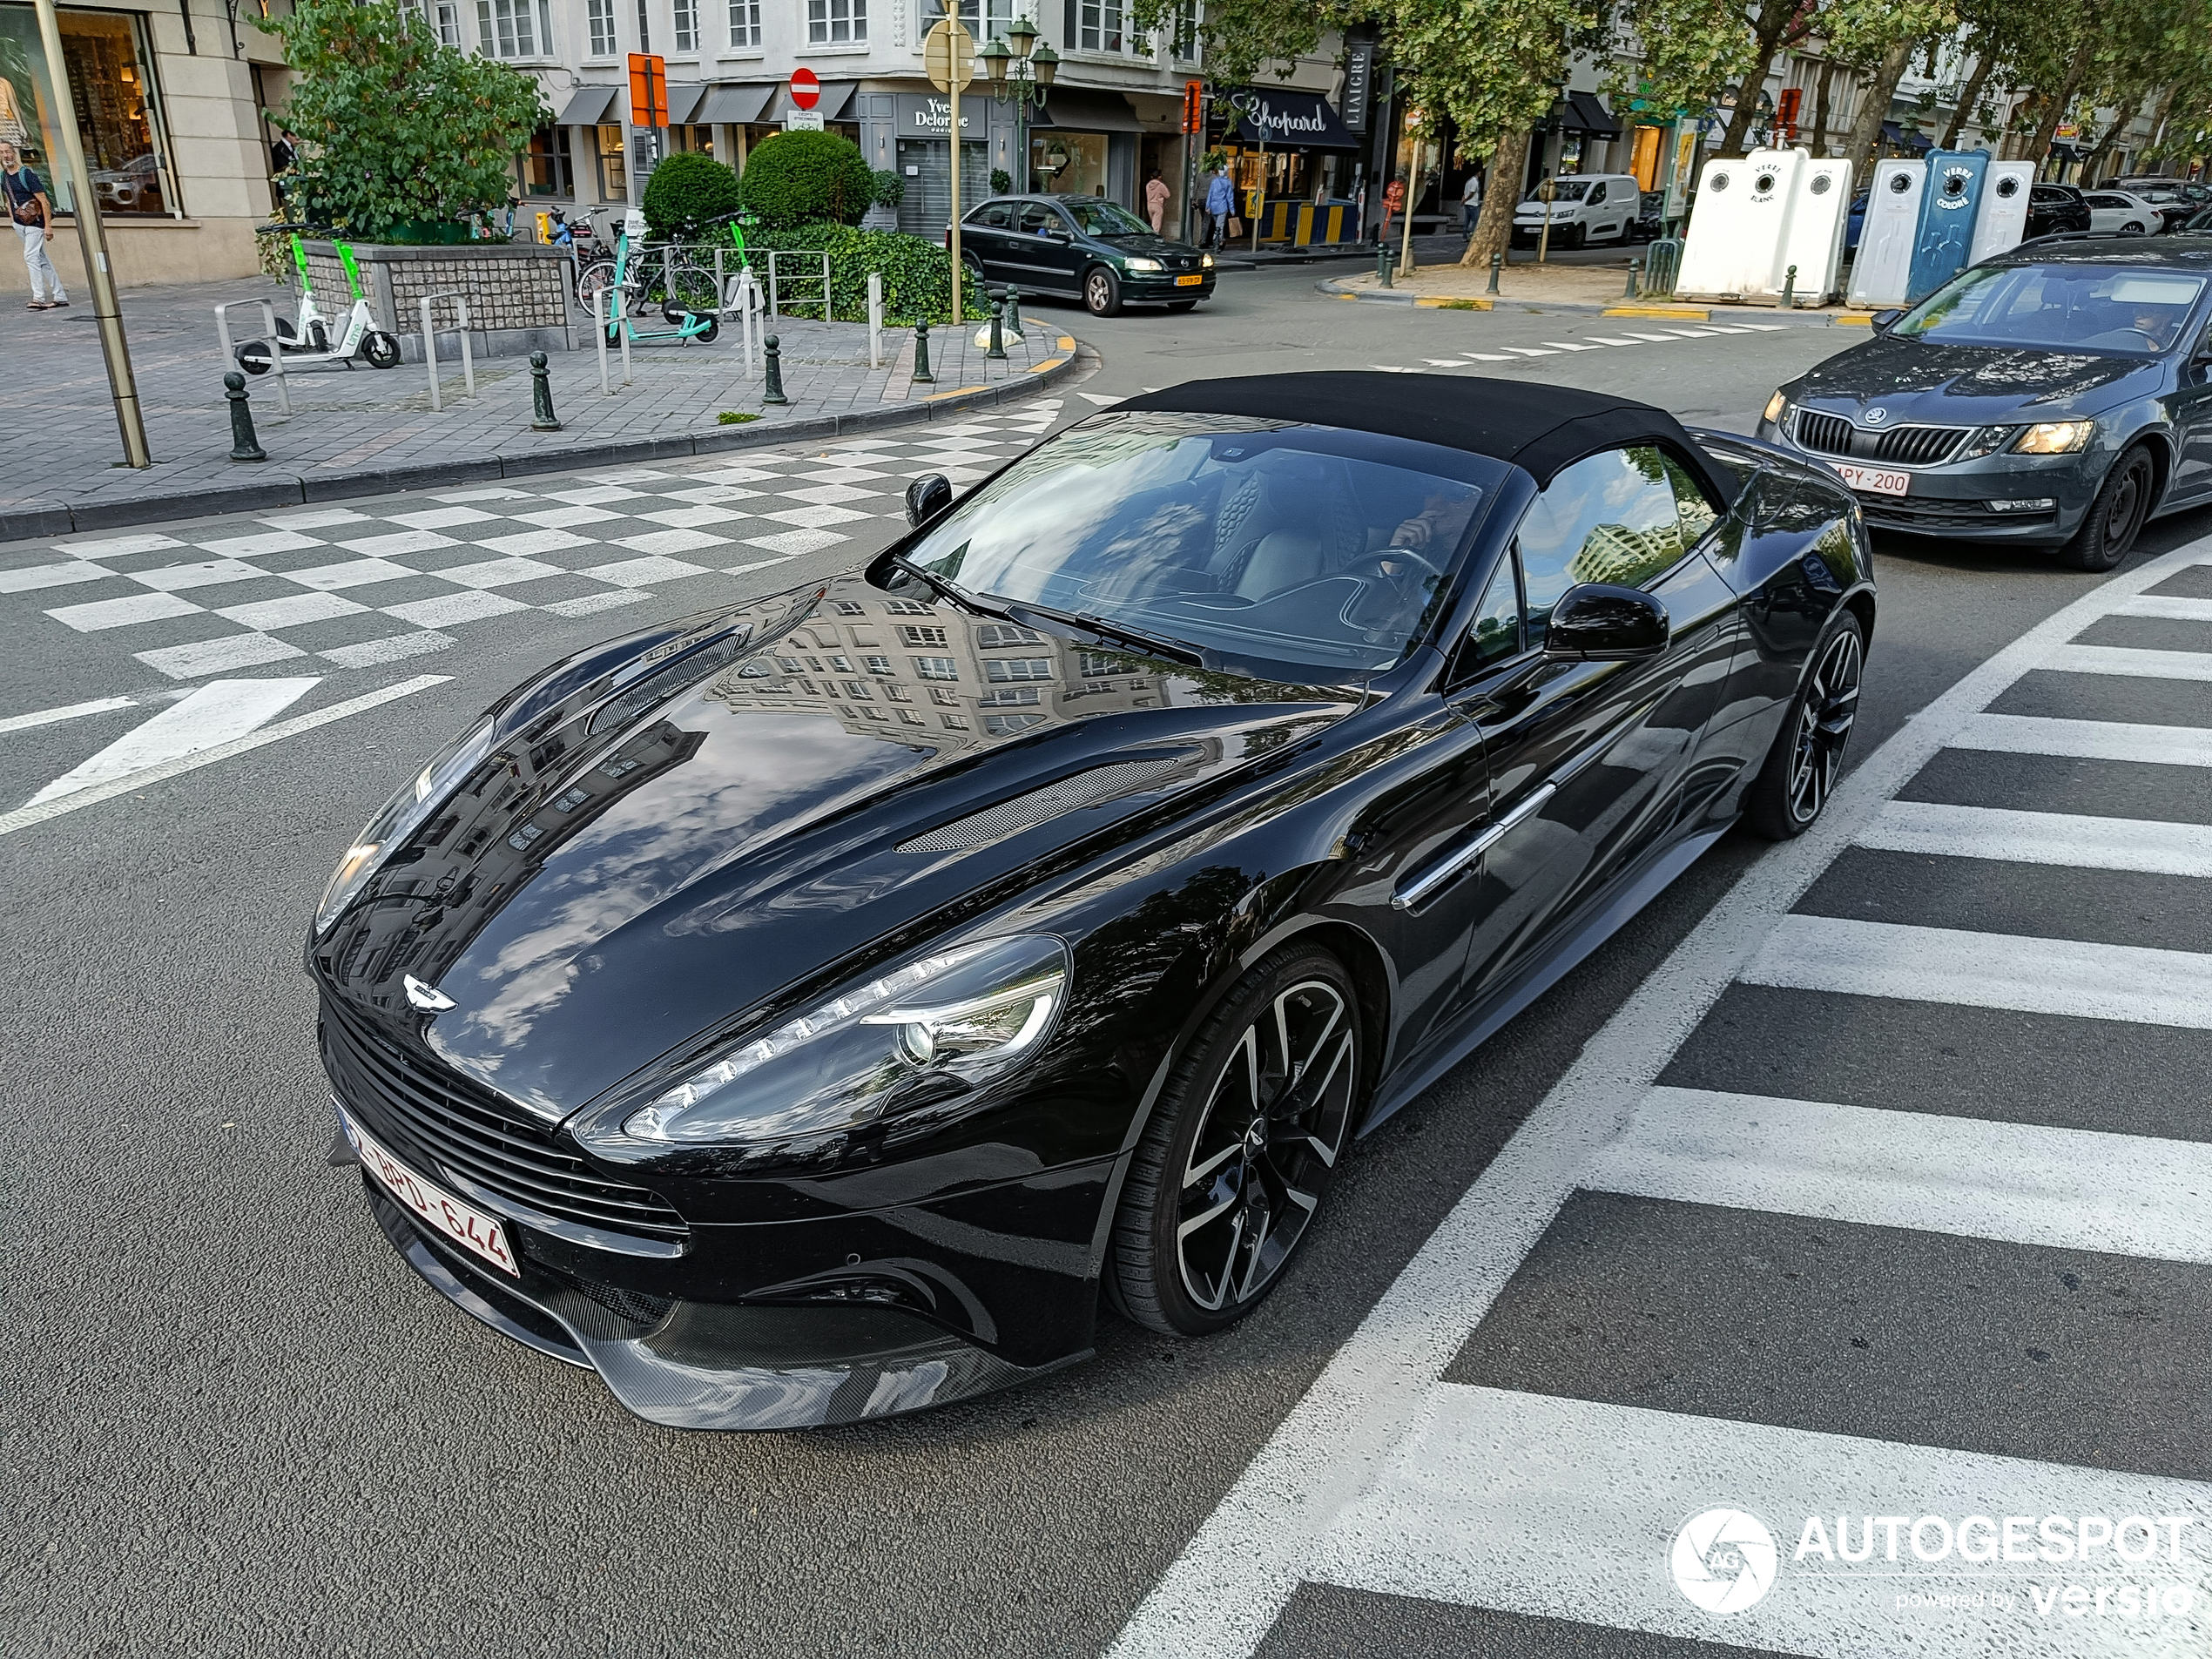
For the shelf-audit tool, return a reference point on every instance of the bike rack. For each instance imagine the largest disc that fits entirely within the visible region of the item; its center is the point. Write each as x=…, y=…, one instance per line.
x=741, y=295
x=460, y=298
x=268, y=333
x=776, y=278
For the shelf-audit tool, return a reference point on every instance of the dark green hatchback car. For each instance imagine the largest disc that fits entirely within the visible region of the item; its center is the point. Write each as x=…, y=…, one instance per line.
x=1084, y=247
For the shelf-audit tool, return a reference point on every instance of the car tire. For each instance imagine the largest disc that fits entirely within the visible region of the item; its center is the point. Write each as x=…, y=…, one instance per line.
x=972, y=277
x=1578, y=236
x=1102, y=292
x=2109, y=528
x=1241, y=1147
x=1181, y=305
x=2131, y=228
x=1794, y=786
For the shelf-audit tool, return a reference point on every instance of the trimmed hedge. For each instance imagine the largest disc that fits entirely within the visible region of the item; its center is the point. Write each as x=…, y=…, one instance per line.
x=687, y=190
x=917, y=272
x=800, y=177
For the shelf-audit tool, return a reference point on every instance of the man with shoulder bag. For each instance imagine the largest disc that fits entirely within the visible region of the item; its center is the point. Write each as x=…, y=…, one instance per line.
x=32, y=215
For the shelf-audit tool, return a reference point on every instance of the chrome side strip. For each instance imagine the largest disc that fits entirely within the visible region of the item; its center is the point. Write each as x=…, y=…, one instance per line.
x=1411, y=896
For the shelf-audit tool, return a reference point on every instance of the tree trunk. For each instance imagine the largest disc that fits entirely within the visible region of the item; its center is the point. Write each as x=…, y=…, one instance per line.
x=1969, y=94
x=1774, y=20
x=1500, y=196
x=1820, y=110
x=2047, y=129
x=2125, y=120
x=1866, y=132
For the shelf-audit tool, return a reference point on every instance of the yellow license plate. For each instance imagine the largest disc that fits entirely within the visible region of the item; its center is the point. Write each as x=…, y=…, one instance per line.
x=1189, y=281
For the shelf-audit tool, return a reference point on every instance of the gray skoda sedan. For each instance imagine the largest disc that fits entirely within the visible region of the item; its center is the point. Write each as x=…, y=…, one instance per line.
x=2058, y=395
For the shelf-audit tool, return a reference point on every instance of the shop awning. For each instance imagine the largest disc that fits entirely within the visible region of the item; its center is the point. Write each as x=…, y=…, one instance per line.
x=733, y=106
x=587, y=106
x=683, y=100
x=1893, y=133
x=1289, y=121
x=1072, y=108
x=1582, y=112
x=830, y=107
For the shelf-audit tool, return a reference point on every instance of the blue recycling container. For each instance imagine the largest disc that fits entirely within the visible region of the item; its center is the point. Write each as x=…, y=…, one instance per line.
x=1948, y=206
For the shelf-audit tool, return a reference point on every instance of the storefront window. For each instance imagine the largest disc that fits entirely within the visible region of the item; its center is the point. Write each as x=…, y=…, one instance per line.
x=115, y=107
x=614, y=174
x=1069, y=164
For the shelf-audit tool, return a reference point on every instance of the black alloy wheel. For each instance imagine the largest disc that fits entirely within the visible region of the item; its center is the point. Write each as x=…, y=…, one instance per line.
x=1241, y=1148
x=1800, y=774
x=1102, y=292
x=2114, y=517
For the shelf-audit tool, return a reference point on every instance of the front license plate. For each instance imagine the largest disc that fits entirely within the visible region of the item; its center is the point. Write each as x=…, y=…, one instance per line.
x=464, y=1223
x=1189, y=281
x=1875, y=481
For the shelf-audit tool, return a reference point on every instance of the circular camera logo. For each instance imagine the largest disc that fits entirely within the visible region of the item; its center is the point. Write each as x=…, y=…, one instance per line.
x=1725, y=1560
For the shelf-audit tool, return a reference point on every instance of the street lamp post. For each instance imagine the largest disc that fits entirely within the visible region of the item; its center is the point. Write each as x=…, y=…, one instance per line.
x=1021, y=70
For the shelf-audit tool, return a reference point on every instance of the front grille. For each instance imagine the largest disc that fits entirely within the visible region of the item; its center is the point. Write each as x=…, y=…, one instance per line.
x=445, y=1121
x=1919, y=446
x=1828, y=434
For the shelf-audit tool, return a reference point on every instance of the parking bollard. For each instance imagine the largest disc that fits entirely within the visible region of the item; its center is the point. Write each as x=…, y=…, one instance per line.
x=1013, y=311
x=997, y=353
x=773, y=352
x=921, y=375
x=1497, y=264
x=1790, y=289
x=244, y=445
x=1629, y=293
x=542, y=417
x=1384, y=260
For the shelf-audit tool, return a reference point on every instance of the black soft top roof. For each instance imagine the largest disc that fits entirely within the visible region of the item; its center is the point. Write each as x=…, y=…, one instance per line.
x=1537, y=428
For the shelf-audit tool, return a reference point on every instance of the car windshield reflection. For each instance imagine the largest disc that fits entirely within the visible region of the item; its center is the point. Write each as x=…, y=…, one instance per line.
x=2105, y=308
x=1309, y=546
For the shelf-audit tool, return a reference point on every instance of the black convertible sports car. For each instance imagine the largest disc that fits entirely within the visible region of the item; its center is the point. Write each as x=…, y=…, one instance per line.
x=801, y=1012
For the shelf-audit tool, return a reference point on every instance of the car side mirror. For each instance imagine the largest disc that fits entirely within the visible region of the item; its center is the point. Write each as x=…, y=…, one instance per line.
x=927, y=497
x=1596, y=622
x=1884, y=321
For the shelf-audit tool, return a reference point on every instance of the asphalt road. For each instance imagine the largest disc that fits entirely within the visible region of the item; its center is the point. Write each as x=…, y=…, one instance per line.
x=237, y=1423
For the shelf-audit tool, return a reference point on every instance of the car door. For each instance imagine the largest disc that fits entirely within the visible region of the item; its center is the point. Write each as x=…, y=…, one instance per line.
x=2192, y=410
x=986, y=233
x=1586, y=761
x=1603, y=212
x=1045, y=246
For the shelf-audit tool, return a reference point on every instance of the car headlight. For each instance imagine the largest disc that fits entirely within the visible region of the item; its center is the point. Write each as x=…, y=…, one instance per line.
x=1143, y=264
x=2054, y=438
x=1205, y=261
x=402, y=815
x=1986, y=441
x=957, y=1017
x=1774, y=406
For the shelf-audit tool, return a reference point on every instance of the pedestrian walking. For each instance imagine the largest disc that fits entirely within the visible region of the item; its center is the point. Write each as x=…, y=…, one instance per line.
x=1393, y=204
x=32, y=214
x=1155, y=202
x=1221, y=201
x=1470, y=202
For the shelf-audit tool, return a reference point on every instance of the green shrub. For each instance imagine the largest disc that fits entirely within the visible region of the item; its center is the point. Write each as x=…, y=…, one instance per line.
x=917, y=272
x=1001, y=182
x=686, y=191
x=890, y=189
x=800, y=177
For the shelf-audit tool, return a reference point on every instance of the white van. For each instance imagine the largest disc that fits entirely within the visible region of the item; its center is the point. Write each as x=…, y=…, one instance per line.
x=1590, y=207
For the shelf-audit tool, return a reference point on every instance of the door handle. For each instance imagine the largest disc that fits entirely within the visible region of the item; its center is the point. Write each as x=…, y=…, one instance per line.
x=1422, y=887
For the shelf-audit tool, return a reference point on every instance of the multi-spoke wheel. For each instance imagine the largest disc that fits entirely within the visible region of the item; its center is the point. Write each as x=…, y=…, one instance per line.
x=1241, y=1147
x=1808, y=757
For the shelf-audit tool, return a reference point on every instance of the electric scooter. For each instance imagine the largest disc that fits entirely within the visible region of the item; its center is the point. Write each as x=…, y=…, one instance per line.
x=684, y=324
x=307, y=339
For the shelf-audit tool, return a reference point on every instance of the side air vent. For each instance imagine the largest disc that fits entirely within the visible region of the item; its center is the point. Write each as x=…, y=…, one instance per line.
x=1093, y=788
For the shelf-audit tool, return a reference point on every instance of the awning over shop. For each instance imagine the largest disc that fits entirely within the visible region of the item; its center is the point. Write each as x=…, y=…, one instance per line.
x=1288, y=120
x=1893, y=133
x=683, y=100
x=1582, y=112
x=835, y=97
x=1075, y=110
x=733, y=106
x=587, y=106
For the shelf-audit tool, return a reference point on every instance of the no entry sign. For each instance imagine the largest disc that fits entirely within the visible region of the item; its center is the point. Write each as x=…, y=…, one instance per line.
x=805, y=88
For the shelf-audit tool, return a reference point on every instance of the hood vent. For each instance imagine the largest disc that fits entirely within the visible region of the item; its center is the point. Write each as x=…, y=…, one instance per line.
x=1093, y=788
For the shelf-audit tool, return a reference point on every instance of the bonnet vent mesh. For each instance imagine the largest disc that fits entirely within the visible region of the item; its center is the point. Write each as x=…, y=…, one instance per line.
x=1092, y=788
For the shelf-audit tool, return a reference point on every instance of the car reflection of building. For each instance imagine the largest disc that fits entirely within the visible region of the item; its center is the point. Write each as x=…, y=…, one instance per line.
x=907, y=671
x=1615, y=553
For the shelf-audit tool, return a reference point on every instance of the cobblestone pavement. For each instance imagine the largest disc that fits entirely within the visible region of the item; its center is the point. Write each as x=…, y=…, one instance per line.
x=354, y=431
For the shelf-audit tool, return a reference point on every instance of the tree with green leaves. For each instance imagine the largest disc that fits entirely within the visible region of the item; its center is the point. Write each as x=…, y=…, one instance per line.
x=1678, y=56
x=393, y=124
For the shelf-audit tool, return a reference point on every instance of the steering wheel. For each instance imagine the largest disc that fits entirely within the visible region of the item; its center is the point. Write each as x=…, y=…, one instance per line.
x=1377, y=559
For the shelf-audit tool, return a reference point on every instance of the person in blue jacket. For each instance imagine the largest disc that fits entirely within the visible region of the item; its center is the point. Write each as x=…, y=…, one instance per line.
x=1221, y=201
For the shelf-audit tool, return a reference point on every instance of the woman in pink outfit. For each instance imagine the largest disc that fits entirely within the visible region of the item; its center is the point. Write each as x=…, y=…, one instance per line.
x=1155, y=202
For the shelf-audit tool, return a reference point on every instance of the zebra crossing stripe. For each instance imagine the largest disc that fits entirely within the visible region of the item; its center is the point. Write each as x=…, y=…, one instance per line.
x=1226, y=1589
x=2021, y=1183
x=2081, y=842
x=1576, y=1523
x=2029, y=734
x=2127, y=660
x=2170, y=606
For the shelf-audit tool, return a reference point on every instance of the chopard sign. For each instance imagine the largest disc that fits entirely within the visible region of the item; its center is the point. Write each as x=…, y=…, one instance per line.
x=1259, y=114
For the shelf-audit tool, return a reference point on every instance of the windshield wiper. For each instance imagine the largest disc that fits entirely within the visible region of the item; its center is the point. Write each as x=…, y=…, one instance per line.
x=952, y=590
x=1115, y=633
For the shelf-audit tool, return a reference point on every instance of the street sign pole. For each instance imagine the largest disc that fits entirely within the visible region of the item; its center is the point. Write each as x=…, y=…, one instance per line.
x=949, y=56
x=92, y=237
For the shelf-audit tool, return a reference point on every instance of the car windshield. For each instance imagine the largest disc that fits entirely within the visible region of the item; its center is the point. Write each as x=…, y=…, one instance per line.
x=1565, y=190
x=1095, y=217
x=1302, y=547
x=2125, y=310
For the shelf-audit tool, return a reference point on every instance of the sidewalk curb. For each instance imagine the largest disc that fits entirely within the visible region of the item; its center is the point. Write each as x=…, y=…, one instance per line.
x=34, y=521
x=1333, y=288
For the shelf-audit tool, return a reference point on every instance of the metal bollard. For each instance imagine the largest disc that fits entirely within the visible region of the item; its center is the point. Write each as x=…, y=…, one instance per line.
x=775, y=372
x=1497, y=264
x=1013, y=311
x=244, y=445
x=1790, y=289
x=542, y=418
x=1384, y=260
x=921, y=375
x=997, y=352
x=1629, y=293
x=875, y=320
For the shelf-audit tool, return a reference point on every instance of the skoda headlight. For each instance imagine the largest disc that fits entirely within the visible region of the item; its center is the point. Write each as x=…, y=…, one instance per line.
x=403, y=815
x=1141, y=265
x=2054, y=438
x=957, y=1017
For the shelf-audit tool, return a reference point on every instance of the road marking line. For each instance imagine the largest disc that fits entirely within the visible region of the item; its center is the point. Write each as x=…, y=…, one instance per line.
x=216, y=713
x=2172, y=606
x=2079, y=842
x=1227, y=1588
x=2127, y=660
x=24, y=817
x=1691, y=333
x=2069, y=1189
x=1489, y=357
x=1576, y=1523
x=27, y=579
x=1445, y=362
x=123, y=613
x=1767, y=327
x=2075, y=977
x=1607, y=340
x=2036, y=734
x=1099, y=398
x=75, y=710
x=1531, y=351
x=1662, y=340
x=1570, y=346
